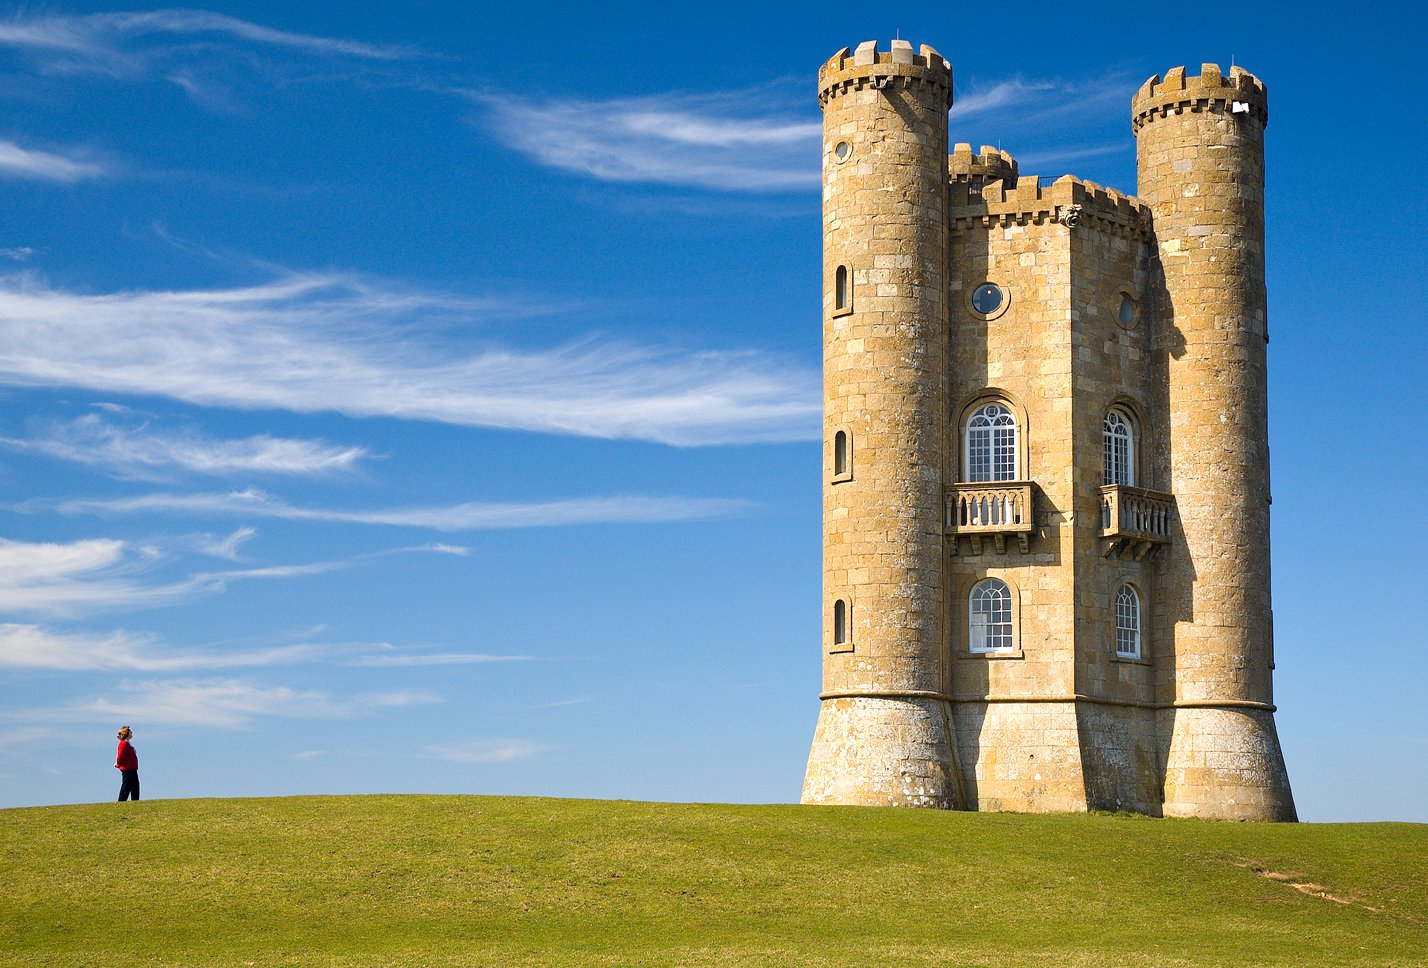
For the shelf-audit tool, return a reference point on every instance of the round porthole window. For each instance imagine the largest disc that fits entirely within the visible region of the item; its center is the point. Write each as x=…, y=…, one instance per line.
x=841, y=151
x=988, y=298
x=1125, y=313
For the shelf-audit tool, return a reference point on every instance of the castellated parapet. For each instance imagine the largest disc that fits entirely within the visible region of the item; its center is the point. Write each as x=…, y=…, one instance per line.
x=1045, y=490
x=975, y=170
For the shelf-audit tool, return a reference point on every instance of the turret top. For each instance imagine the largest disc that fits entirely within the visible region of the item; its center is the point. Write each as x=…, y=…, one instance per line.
x=869, y=67
x=989, y=164
x=1239, y=93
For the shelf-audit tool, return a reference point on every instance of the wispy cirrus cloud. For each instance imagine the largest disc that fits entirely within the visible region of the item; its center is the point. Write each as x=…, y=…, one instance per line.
x=997, y=96
x=1046, y=123
x=36, y=647
x=234, y=702
x=220, y=62
x=314, y=342
x=18, y=162
x=485, y=750
x=470, y=516
x=63, y=579
x=133, y=449
x=101, y=574
x=226, y=546
x=123, y=42
x=763, y=140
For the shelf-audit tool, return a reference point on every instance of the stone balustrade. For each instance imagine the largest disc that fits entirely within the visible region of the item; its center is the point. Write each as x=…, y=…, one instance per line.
x=989, y=510
x=1135, y=519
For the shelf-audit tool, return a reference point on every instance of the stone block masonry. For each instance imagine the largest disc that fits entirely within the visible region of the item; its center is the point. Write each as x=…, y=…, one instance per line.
x=1045, y=495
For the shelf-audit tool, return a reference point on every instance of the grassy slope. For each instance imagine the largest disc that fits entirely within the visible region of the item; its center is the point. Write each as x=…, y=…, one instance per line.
x=514, y=881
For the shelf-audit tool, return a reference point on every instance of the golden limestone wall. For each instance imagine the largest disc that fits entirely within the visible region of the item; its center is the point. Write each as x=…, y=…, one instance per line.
x=1200, y=160
x=1016, y=755
x=1153, y=306
x=883, y=734
x=1116, y=719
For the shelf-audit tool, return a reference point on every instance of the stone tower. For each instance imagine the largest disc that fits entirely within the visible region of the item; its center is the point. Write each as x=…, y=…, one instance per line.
x=1046, y=472
x=1200, y=165
x=884, y=733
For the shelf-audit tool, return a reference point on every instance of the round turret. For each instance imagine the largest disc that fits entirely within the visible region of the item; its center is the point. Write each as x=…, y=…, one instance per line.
x=1200, y=155
x=884, y=733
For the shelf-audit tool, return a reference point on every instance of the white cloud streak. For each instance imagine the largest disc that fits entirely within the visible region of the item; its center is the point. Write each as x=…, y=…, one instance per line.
x=472, y=516
x=735, y=141
x=996, y=97
x=103, y=575
x=35, y=647
x=63, y=579
x=226, y=547
x=313, y=343
x=139, y=452
x=18, y=162
x=485, y=751
x=112, y=41
x=232, y=702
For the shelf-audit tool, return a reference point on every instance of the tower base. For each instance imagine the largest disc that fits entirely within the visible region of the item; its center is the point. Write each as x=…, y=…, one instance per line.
x=880, y=751
x=1224, y=764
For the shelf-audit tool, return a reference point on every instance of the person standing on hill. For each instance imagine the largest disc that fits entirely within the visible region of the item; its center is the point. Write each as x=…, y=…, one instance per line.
x=126, y=761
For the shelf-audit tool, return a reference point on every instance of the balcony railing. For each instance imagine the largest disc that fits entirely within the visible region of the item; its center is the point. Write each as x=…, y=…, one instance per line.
x=1135, y=519
x=995, y=510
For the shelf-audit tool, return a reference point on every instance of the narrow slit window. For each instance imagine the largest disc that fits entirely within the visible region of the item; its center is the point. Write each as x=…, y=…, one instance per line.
x=840, y=453
x=842, y=292
x=840, y=622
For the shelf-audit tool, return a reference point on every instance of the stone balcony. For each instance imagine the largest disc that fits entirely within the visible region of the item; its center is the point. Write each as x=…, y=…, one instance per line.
x=1135, y=521
x=989, y=510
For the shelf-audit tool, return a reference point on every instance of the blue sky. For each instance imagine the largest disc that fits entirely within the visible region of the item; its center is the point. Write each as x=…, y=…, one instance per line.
x=424, y=397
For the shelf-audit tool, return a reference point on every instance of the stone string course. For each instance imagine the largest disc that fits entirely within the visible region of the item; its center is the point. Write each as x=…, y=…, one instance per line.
x=909, y=715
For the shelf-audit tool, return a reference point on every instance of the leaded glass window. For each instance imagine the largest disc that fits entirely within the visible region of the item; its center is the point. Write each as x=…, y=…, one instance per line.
x=991, y=617
x=991, y=444
x=1120, y=449
x=1127, y=623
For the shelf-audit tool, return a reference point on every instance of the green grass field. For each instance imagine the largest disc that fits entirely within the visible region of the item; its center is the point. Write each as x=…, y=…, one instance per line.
x=516, y=881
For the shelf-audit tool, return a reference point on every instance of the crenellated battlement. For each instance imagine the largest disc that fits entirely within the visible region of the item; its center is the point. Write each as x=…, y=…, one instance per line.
x=1239, y=93
x=1068, y=200
x=868, y=67
x=1018, y=341
x=989, y=164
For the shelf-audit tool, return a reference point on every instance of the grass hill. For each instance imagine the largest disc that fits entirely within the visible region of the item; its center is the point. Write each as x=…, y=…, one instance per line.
x=404, y=880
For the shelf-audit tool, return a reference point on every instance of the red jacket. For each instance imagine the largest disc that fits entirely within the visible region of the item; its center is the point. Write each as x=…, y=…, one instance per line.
x=125, y=758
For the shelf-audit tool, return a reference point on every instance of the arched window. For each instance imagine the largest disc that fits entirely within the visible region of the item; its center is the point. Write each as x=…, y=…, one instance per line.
x=840, y=453
x=1127, y=623
x=990, y=449
x=1120, y=449
x=842, y=291
x=990, y=625
x=840, y=622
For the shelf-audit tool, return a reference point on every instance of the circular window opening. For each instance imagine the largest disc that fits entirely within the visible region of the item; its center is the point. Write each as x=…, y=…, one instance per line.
x=987, y=298
x=1125, y=314
x=842, y=150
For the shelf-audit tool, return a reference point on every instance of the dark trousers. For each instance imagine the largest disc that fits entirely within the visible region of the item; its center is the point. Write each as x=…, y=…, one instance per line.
x=128, y=784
